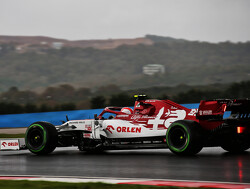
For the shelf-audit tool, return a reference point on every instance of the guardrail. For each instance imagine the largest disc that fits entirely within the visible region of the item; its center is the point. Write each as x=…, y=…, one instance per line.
x=24, y=120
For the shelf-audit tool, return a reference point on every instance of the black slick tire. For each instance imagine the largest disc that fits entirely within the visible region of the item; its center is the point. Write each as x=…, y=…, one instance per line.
x=237, y=143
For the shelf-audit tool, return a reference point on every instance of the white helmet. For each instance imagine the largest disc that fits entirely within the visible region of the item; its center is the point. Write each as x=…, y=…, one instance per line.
x=127, y=110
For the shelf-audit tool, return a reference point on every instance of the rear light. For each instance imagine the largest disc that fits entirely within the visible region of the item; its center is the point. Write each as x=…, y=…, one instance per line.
x=240, y=129
x=224, y=107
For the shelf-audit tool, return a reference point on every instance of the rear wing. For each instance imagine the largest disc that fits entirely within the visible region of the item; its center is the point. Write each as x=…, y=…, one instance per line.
x=215, y=109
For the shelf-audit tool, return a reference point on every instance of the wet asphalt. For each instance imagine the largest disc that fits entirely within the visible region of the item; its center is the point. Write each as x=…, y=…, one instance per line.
x=211, y=164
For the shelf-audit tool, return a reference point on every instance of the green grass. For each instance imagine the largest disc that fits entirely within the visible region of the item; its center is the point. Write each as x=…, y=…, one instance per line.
x=12, y=135
x=7, y=184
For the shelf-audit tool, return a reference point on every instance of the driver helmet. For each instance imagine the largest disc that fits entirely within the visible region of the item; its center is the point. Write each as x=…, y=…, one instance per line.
x=127, y=110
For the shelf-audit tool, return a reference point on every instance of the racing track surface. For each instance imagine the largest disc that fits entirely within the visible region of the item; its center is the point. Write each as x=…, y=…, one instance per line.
x=211, y=164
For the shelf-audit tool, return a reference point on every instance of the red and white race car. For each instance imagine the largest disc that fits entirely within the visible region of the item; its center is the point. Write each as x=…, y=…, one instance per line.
x=151, y=124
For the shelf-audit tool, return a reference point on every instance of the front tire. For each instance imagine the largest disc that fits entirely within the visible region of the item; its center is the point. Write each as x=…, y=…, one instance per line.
x=184, y=137
x=41, y=138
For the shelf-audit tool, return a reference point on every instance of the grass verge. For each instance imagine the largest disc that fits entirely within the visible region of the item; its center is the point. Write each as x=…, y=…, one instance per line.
x=10, y=184
x=12, y=135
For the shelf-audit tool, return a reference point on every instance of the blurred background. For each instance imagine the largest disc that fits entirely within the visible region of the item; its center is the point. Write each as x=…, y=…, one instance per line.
x=83, y=54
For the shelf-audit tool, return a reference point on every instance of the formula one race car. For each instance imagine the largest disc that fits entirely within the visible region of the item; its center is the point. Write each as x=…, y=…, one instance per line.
x=151, y=124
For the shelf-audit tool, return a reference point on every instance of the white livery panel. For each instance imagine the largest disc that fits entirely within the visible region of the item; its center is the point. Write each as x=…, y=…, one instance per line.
x=124, y=129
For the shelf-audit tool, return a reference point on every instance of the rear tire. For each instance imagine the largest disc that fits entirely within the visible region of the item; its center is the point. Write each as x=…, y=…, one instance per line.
x=41, y=138
x=184, y=137
x=237, y=143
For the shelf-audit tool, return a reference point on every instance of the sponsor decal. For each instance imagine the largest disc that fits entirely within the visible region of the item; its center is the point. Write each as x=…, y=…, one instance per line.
x=206, y=112
x=110, y=128
x=174, y=116
x=171, y=115
x=157, y=120
x=150, y=101
x=76, y=122
x=122, y=115
x=120, y=129
x=88, y=127
x=141, y=117
x=4, y=144
x=86, y=135
x=9, y=144
x=136, y=117
x=129, y=129
x=193, y=112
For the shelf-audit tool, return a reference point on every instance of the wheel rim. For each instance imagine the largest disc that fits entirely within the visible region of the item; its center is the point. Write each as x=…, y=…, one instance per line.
x=178, y=138
x=36, y=137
